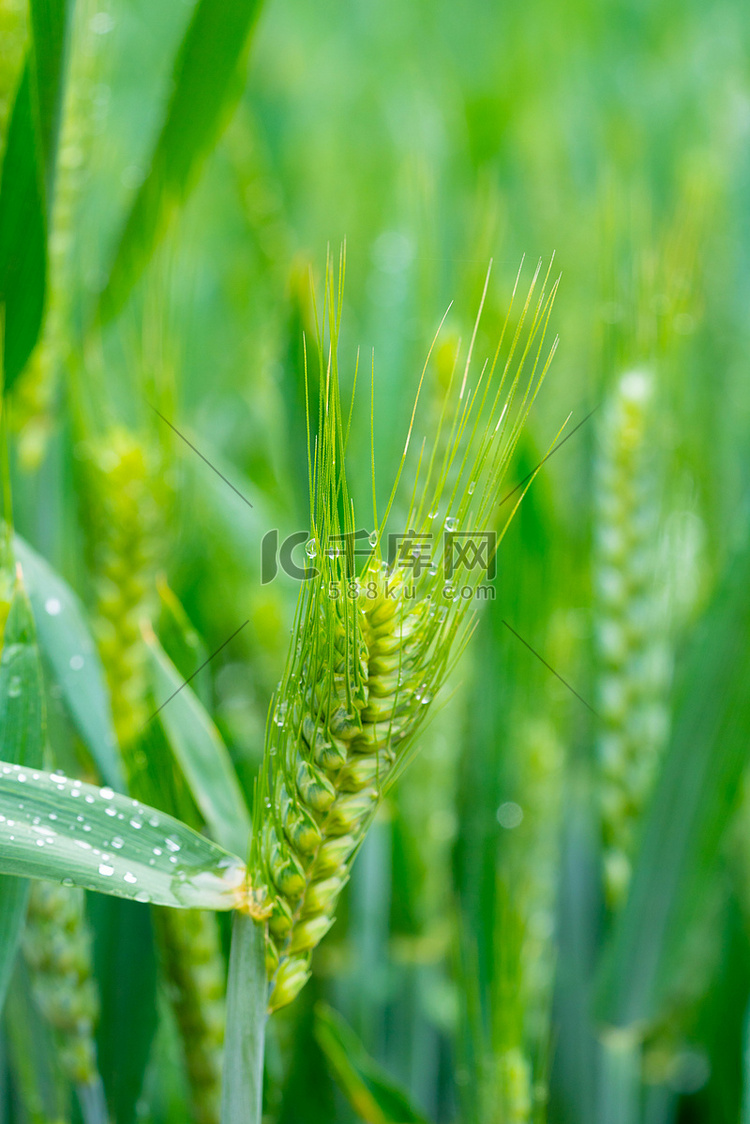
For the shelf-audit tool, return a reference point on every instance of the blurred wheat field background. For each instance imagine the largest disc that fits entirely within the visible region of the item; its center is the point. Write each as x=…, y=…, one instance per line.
x=548, y=921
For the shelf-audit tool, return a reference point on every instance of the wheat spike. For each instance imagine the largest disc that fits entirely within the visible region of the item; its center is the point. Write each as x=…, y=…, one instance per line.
x=57, y=948
x=128, y=490
x=371, y=650
x=630, y=626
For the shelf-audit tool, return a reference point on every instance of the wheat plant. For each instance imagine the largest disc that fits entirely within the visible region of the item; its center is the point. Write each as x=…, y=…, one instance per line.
x=227, y=891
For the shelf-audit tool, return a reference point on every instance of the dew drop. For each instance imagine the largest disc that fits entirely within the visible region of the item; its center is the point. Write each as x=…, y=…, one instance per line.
x=372, y=538
x=423, y=694
x=111, y=811
x=172, y=844
x=142, y=896
x=131, y=878
x=451, y=524
x=509, y=814
x=90, y=798
x=52, y=606
x=470, y=489
x=311, y=548
x=106, y=793
x=76, y=662
x=68, y=882
x=158, y=851
x=106, y=870
x=117, y=843
x=279, y=714
x=137, y=824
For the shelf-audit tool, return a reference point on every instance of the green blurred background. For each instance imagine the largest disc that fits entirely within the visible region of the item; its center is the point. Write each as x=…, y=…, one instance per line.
x=486, y=948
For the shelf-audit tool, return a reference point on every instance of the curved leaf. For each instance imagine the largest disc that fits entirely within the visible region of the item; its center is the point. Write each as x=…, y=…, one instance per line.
x=66, y=642
x=78, y=834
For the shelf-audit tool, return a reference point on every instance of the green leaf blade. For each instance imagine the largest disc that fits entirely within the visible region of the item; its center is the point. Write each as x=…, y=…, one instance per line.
x=22, y=739
x=200, y=753
x=23, y=235
x=67, y=644
x=75, y=833
x=204, y=85
x=247, y=1012
x=26, y=184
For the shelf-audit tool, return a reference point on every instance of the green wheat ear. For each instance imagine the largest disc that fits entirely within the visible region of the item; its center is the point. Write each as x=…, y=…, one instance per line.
x=371, y=650
x=631, y=639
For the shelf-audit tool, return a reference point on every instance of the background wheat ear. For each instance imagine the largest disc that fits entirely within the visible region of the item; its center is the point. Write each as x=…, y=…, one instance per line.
x=372, y=647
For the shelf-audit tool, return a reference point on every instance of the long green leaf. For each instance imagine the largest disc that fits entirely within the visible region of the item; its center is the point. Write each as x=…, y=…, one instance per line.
x=205, y=83
x=200, y=753
x=68, y=647
x=372, y=1094
x=26, y=184
x=691, y=808
x=247, y=1011
x=74, y=833
x=182, y=643
x=128, y=993
x=22, y=739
